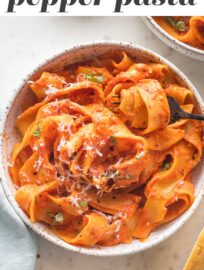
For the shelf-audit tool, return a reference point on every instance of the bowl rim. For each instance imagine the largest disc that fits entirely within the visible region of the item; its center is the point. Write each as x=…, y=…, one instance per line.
x=171, y=41
x=101, y=252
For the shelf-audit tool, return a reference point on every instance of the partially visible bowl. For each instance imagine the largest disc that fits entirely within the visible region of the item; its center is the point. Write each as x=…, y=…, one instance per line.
x=171, y=41
x=22, y=97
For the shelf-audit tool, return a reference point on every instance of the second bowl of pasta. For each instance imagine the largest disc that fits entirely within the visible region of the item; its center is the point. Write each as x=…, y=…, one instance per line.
x=183, y=33
x=90, y=159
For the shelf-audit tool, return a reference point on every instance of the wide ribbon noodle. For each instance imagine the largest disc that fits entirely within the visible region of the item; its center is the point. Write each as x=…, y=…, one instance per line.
x=99, y=162
x=189, y=30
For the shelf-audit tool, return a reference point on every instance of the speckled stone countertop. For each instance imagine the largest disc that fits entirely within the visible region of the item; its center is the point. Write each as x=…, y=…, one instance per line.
x=26, y=42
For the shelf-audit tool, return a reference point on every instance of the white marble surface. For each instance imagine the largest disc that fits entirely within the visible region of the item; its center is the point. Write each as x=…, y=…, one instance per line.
x=26, y=42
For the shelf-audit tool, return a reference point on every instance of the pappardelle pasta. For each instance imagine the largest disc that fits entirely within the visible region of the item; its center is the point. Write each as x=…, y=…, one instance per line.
x=189, y=30
x=99, y=162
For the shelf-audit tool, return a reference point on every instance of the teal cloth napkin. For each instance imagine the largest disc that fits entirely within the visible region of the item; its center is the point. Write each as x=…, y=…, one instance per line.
x=18, y=246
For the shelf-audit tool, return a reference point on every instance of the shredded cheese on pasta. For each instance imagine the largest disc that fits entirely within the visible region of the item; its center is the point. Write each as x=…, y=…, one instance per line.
x=98, y=161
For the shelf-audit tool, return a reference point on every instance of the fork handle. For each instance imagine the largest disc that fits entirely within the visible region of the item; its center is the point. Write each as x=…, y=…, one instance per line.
x=186, y=115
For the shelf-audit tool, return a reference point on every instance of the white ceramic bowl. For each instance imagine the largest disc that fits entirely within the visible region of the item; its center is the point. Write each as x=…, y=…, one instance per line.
x=172, y=42
x=22, y=97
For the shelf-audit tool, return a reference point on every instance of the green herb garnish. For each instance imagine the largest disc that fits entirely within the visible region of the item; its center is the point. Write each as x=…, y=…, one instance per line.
x=171, y=21
x=110, y=175
x=180, y=25
x=58, y=218
x=113, y=140
x=84, y=203
x=95, y=78
x=37, y=131
x=116, y=175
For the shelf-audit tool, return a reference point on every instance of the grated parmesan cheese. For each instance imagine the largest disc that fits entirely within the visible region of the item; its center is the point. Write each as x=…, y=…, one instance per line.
x=51, y=90
x=74, y=201
x=37, y=164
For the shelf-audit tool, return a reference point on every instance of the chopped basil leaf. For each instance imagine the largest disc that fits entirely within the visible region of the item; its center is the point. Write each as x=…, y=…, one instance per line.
x=110, y=175
x=84, y=203
x=95, y=78
x=59, y=218
x=116, y=175
x=171, y=21
x=113, y=140
x=37, y=131
x=180, y=25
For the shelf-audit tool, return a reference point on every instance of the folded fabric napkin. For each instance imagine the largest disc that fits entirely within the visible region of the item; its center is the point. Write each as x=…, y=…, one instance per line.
x=18, y=246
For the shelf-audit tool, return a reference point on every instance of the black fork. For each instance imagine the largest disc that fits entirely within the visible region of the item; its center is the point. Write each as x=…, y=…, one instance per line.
x=177, y=113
